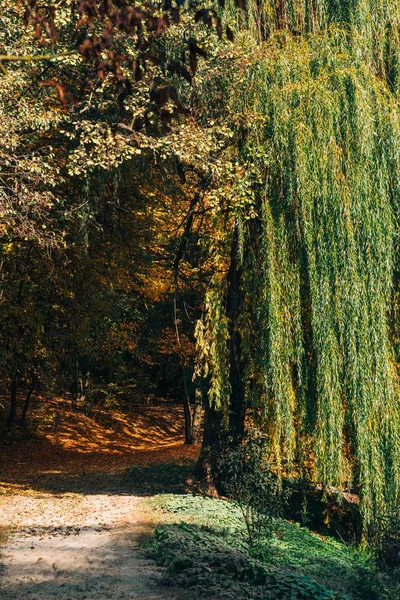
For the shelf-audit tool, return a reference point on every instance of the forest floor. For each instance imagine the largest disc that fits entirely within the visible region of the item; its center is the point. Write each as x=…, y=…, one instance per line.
x=71, y=517
x=95, y=505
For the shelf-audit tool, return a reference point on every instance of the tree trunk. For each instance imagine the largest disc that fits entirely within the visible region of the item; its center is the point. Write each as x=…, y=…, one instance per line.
x=213, y=429
x=197, y=416
x=27, y=402
x=13, y=402
x=188, y=420
x=193, y=416
x=84, y=381
x=234, y=301
x=187, y=412
x=212, y=440
x=215, y=434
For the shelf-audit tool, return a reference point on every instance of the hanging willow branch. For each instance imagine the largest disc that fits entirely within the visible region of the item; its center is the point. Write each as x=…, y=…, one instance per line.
x=318, y=118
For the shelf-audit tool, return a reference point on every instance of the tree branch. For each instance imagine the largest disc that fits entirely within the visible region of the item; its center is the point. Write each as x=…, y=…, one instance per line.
x=30, y=57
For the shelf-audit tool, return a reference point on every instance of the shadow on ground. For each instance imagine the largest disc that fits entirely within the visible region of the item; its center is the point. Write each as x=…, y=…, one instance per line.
x=165, y=478
x=65, y=450
x=92, y=563
x=136, y=481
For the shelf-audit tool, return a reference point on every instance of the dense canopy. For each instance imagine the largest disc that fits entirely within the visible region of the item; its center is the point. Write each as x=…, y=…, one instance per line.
x=243, y=196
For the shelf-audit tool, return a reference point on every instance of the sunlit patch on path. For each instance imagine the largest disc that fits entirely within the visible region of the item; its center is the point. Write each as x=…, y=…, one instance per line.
x=72, y=511
x=69, y=444
x=75, y=546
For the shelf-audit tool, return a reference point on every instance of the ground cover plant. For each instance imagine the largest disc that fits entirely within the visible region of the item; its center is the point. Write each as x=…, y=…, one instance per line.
x=204, y=548
x=247, y=477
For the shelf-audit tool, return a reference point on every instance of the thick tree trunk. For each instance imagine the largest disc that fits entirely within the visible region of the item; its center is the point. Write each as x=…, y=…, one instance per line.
x=213, y=434
x=234, y=301
x=193, y=416
x=13, y=402
x=215, y=431
x=27, y=403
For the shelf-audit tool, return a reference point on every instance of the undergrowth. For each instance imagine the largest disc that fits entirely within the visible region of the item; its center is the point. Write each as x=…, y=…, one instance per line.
x=202, y=544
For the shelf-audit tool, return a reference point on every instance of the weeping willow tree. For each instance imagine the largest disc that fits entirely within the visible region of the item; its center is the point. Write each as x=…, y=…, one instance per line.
x=315, y=253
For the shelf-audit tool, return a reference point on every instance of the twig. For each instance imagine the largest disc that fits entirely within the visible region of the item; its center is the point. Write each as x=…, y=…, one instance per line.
x=30, y=57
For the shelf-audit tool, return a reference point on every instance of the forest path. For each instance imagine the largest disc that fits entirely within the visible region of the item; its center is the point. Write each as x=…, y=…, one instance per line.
x=71, y=512
x=75, y=546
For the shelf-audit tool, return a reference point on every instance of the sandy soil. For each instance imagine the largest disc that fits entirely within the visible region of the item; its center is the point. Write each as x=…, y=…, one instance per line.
x=75, y=546
x=72, y=517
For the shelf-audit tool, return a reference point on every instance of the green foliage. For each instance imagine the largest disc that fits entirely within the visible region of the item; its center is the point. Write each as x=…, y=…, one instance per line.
x=203, y=549
x=249, y=481
x=81, y=226
x=210, y=564
x=371, y=27
x=212, y=336
x=384, y=536
x=317, y=122
x=296, y=132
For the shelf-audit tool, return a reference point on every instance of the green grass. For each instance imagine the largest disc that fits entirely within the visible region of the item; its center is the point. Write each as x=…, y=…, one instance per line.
x=202, y=544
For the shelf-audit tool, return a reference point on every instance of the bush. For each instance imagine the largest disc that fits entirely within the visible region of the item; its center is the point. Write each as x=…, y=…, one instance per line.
x=249, y=481
x=384, y=535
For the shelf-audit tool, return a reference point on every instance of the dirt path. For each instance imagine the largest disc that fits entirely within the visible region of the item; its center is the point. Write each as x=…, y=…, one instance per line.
x=75, y=546
x=73, y=519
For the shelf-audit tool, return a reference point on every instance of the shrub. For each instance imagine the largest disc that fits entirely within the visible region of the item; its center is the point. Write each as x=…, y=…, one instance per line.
x=384, y=535
x=249, y=481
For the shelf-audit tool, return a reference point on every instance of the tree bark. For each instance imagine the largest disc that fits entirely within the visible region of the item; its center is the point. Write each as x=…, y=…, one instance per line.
x=213, y=434
x=197, y=416
x=213, y=429
x=187, y=413
x=27, y=402
x=234, y=302
x=84, y=381
x=13, y=402
x=193, y=416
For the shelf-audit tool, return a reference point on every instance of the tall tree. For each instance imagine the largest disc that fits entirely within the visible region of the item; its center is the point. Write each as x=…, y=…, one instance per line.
x=314, y=105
